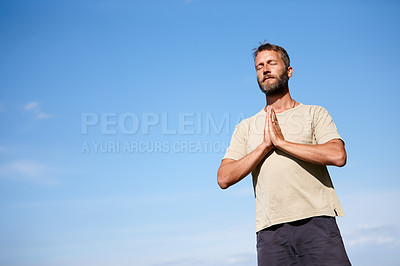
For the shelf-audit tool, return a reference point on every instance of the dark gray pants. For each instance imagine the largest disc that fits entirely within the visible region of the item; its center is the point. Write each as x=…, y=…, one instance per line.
x=308, y=242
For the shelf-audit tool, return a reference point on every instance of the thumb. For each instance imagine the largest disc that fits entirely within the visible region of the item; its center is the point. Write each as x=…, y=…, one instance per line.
x=269, y=119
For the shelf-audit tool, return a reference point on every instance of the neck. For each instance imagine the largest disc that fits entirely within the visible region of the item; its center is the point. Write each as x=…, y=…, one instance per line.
x=280, y=103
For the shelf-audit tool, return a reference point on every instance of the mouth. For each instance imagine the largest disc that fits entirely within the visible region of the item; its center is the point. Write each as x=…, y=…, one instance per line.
x=267, y=78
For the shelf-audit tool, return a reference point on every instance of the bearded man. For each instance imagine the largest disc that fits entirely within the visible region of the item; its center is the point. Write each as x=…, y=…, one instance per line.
x=286, y=147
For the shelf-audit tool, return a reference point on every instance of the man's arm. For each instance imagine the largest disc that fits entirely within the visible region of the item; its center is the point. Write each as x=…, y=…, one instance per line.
x=329, y=153
x=232, y=171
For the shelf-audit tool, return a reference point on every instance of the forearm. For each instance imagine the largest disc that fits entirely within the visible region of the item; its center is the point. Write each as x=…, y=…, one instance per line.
x=232, y=171
x=330, y=153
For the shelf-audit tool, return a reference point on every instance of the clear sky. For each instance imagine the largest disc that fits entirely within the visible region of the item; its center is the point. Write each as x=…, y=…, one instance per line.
x=115, y=116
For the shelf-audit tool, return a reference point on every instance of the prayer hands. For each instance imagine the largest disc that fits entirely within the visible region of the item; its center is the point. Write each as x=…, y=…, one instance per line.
x=267, y=139
x=272, y=131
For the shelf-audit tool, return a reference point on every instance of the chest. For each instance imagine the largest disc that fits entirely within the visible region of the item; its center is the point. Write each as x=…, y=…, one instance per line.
x=297, y=128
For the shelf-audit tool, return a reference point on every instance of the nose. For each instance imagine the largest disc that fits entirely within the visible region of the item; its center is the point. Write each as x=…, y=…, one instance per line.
x=266, y=69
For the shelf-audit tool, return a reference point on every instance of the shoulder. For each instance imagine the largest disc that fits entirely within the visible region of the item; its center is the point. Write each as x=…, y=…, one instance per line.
x=312, y=107
x=313, y=110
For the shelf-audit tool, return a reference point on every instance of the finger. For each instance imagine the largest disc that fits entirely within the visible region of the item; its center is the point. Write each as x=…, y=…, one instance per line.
x=273, y=119
x=272, y=132
x=270, y=124
x=274, y=116
x=270, y=115
x=268, y=110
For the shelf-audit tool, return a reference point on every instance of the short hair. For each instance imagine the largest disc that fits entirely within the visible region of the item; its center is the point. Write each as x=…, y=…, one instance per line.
x=266, y=46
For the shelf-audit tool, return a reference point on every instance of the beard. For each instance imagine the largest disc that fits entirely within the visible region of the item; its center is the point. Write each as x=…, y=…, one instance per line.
x=278, y=87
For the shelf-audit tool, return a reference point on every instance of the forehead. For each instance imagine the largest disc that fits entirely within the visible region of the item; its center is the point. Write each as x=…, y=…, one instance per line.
x=266, y=56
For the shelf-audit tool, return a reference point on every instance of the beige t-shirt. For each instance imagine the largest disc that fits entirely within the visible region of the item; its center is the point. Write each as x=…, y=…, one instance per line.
x=286, y=188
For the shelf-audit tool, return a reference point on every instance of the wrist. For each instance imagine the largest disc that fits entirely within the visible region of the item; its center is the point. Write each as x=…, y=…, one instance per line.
x=265, y=146
x=280, y=144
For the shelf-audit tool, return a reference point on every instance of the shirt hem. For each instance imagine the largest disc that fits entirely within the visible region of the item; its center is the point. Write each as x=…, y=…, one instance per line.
x=332, y=213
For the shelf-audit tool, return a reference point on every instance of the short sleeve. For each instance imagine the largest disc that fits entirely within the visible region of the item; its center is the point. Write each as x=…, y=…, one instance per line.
x=324, y=127
x=238, y=146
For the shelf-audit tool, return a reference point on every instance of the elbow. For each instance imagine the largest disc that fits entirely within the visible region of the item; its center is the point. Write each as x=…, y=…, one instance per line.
x=222, y=184
x=341, y=163
x=221, y=180
x=340, y=159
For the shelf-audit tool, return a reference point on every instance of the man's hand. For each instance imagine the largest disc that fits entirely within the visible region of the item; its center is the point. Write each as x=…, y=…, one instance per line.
x=267, y=139
x=274, y=130
x=329, y=153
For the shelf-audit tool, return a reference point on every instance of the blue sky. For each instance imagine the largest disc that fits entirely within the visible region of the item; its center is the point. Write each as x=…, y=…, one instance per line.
x=115, y=116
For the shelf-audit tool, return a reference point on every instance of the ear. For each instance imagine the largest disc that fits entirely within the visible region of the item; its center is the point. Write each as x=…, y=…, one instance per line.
x=290, y=71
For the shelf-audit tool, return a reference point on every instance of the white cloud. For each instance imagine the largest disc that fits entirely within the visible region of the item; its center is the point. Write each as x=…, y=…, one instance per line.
x=371, y=240
x=367, y=223
x=43, y=115
x=27, y=171
x=33, y=107
x=374, y=235
x=241, y=259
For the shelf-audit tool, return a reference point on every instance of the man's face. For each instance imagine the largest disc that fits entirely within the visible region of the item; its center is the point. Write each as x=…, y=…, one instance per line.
x=272, y=75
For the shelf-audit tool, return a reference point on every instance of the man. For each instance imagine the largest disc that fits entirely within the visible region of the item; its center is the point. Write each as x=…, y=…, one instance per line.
x=287, y=146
